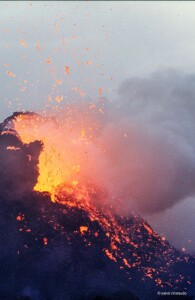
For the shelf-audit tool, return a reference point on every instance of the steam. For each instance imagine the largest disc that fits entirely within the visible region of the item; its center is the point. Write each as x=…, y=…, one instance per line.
x=148, y=160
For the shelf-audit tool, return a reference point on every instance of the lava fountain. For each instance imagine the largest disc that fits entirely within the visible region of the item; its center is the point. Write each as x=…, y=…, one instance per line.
x=59, y=164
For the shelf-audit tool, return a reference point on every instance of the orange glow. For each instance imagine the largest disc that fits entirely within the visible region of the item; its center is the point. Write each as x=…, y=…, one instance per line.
x=82, y=133
x=100, y=110
x=49, y=162
x=45, y=241
x=11, y=74
x=67, y=70
x=110, y=256
x=48, y=61
x=22, y=42
x=126, y=263
x=38, y=47
x=113, y=246
x=58, y=81
x=58, y=164
x=159, y=281
x=100, y=91
x=150, y=231
x=59, y=98
x=83, y=229
x=57, y=29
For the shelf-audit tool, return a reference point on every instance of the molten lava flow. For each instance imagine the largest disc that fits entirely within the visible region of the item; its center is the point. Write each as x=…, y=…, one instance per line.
x=56, y=162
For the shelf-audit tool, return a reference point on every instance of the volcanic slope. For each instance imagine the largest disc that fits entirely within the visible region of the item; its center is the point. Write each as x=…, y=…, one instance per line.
x=69, y=249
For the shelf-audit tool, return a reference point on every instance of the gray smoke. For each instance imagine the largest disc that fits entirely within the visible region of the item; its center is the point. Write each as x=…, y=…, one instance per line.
x=149, y=143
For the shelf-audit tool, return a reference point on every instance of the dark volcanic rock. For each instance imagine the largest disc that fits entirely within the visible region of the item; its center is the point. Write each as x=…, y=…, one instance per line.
x=18, y=162
x=72, y=252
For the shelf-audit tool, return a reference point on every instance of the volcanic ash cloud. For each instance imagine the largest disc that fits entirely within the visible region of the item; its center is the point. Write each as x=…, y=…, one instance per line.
x=148, y=162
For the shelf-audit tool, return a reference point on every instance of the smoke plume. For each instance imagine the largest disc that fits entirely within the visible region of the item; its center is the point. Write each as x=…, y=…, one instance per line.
x=148, y=157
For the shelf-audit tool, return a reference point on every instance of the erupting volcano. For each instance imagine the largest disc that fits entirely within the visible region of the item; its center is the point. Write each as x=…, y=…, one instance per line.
x=59, y=238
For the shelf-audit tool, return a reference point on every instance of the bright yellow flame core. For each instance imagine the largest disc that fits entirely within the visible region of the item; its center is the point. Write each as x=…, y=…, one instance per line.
x=56, y=165
x=50, y=171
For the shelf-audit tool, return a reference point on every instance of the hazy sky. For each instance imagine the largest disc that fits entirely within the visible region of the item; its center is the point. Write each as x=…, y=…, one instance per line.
x=102, y=42
x=72, y=49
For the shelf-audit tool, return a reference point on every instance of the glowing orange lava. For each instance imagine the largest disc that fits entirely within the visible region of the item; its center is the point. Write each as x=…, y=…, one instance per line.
x=56, y=164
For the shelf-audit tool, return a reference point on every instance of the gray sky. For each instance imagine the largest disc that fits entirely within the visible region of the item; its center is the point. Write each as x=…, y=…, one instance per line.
x=124, y=39
x=103, y=43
